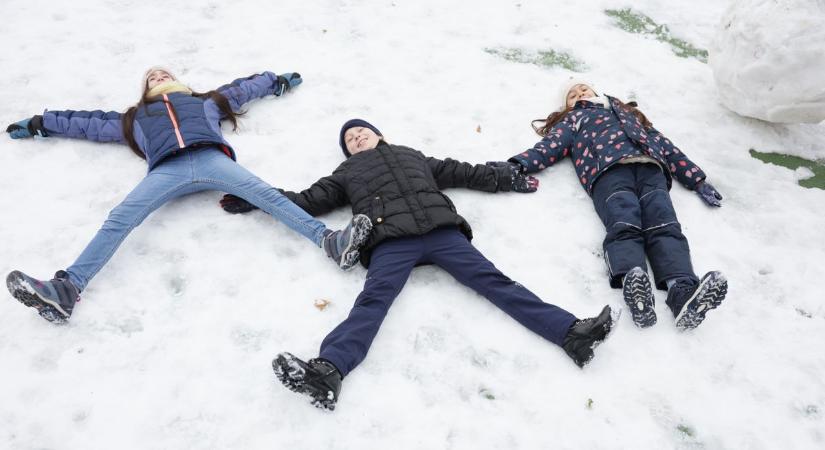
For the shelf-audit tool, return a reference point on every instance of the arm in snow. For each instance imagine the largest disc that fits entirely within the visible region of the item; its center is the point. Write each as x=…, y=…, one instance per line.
x=549, y=150
x=244, y=90
x=323, y=196
x=451, y=173
x=98, y=126
x=682, y=168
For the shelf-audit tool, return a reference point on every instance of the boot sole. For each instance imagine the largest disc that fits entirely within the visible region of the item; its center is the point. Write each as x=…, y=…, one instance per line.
x=21, y=289
x=638, y=295
x=291, y=375
x=358, y=234
x=712, y=289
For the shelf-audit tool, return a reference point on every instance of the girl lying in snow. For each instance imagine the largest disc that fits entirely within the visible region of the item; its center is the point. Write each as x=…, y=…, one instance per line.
x=414, y=223
x=627, y=167
x=177, y=132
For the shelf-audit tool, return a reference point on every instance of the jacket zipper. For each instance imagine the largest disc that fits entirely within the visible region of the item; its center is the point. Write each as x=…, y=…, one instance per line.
x=172, y=116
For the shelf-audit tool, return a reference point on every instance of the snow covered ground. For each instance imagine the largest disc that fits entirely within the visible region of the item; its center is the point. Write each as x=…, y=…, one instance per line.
x=171, y=346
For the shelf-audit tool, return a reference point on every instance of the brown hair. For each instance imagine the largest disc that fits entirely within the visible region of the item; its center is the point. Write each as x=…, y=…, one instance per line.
x=543, y=126
x=128, y=118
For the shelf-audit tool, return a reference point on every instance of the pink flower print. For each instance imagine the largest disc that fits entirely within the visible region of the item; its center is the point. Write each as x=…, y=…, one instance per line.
x=613, y=136
x=535, y=161
x=566, y=151
x=541, y=166
x=525, y=154
x=673, y=168
x=599, y=121
x=552, y=159
x=584, y=181
x=553, y=145
x=543, y=151
x=593, y=172
x=579, y=145
x=683, y=163
x=578, y=162
x=593, y=135
x=608, y=159
x=599, y=147
x=618, y=146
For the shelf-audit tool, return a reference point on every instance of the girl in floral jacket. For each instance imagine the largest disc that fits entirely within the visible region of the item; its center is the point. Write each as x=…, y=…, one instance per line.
x=627, y=167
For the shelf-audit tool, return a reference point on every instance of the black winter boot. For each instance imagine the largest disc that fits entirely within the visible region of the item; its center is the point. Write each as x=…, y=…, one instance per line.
x=638, y=295
x=587, y=334
x=690, y=302
x=344, y=246
x=318, y=379
x=53, y=299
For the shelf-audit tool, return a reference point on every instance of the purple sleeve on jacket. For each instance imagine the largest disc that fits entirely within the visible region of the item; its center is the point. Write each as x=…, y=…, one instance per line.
x=681, y=168
x=244, y=90
x=552, y=148
x=98, y=126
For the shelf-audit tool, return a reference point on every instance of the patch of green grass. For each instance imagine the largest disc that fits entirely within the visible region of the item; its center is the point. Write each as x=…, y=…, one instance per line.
x=638, y=23
x=686, y=430
x=793, y=163
x=544, y=58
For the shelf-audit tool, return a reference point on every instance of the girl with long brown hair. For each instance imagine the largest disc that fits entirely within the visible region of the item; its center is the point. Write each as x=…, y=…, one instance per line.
x=627, y=167
x=178, y=133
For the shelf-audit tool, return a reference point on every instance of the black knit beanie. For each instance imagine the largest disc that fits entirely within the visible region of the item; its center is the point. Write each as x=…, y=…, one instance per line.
x=354, y=123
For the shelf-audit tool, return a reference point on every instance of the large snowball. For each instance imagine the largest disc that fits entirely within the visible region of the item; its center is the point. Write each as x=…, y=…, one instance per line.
x=768, y=58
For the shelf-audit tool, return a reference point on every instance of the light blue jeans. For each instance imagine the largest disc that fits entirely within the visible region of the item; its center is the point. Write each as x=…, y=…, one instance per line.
x=185, y=173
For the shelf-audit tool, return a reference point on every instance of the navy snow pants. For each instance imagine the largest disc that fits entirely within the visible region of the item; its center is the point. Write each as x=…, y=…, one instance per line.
x=633, y=202
x=393, y=260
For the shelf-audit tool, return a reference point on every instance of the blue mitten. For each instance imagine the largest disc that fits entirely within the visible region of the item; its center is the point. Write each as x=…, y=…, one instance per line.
x=287, y=81
x=709, y=194
x=27, y=128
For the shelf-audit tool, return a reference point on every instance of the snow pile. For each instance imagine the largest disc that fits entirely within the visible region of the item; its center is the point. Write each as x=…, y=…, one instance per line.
x=768, y=59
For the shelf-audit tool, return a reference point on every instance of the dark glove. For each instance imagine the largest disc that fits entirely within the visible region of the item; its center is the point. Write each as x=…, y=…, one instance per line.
x=521, y=182
x=236, y=205
x=709, y=194
x=287, y=81
x=27, y=128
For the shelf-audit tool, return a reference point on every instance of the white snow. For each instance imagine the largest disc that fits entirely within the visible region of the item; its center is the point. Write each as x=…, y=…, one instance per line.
x=171, y=346
x=768, y=59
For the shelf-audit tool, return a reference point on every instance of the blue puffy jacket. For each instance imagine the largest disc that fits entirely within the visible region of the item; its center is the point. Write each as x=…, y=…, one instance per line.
x=173, y=122
x=596, y=138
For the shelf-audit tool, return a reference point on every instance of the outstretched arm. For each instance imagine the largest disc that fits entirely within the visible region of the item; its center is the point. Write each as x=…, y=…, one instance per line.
x=323, y=196
x=244, y=90
x=684, y=170
x=551, y=149
x=95, y=125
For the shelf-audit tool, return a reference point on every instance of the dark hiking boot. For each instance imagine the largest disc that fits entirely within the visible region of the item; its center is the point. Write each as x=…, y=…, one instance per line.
x=586, y=334
x=318, y=379
x=696, y=300
x=54, y=299
x=344, y=246
x=638, y=295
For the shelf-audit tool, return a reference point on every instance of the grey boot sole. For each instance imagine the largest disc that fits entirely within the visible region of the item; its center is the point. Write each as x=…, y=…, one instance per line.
x=638, y=295
x=21, y=289
x=708, y=295
x=358, y=235
x=292, y=375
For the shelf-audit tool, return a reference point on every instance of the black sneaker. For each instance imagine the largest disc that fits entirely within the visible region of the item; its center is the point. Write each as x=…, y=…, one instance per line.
x=638, y=295
x=54, y=299
x=318, y=379
x=585, y=335
x=697, y=300
x=344, y=246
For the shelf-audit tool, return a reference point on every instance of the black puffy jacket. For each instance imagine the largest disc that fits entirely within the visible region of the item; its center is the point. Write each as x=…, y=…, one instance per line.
x=399, y=189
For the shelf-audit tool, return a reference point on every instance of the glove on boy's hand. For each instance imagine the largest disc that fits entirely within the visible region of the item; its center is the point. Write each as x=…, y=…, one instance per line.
x=287, y=81
x=709, y=194
x=236, y=205
x=521, y=183
x=27, y=128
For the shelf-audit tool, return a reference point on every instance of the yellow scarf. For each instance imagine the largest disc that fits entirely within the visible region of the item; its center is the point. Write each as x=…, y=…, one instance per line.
x=168, y=88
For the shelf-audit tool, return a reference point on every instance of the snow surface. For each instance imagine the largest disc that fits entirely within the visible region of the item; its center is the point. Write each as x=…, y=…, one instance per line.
x=172, y=343
x=768, y=59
